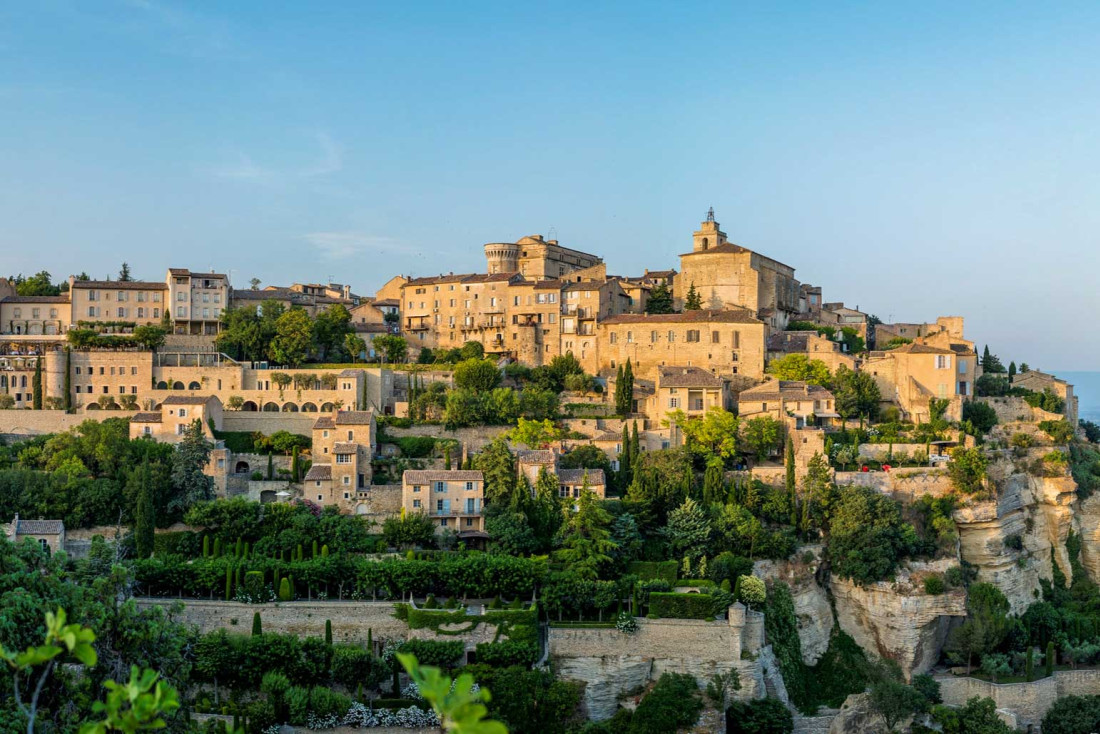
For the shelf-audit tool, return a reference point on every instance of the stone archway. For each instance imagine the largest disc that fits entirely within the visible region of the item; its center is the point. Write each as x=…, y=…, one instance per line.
x=327, y=408
x=309, y=408
x=249, y=406
x=177, y=385
x=242, y=467
x=290, y=407
x=271, y=407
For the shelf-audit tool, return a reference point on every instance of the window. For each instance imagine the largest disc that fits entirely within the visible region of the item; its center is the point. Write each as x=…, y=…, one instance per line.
x=416, y=504
x=674, y=402
x=416, y=487
x=78, y=370
x=181, y=311
x=121, y=312
x=91, y=311
x=962, y=366
x=439, y=505
x=737, y=340
x=36, y=313
x=469, y=486
x=469, y=522
x=156, y=298
x=347, y=481
x=440, y=487
x=183, y=412
x=671, y=336
x=714, y=337
x=943, y=361
x=614, y=338
x=653, y=337
x=319, y=497
x=343, y=459
x=630, y=337
x=140, y=312
x=156, y=313
x=133, y=370
x=181, y=296
x=693, y=335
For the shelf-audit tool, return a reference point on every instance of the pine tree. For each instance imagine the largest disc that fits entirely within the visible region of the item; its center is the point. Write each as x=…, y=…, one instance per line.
x=124, y=273
x=587, y=539
x=626, y=461
x=660, y=300
x=36, y=384
x=145, y=517
x=688, y=530
x=257, y=627
x=1029, y=664
x=544, y=513
x=1011, y=370
x=693, y=302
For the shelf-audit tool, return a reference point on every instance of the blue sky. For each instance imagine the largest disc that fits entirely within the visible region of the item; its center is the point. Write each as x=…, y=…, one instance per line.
x=913, y=159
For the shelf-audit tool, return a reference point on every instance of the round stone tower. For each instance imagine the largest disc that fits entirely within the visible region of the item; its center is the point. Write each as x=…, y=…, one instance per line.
x=502, y=257
x=53, y=373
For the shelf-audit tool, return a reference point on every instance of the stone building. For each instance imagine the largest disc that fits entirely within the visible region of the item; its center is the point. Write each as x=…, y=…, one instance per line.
x=536, y=258
x=529, y=462
x=782, y=399
x=729, y=342
x=175, y=415
x=911, y=375
x=952, y=325
x=49, y=534
x=312, y=297
x=197, y=300
x=811, y=344
x=1039, y=381
x=692, y=390
x=343, y=445
x=453, y=498
x=35, y=315
x=118, y=305
x=726, y=275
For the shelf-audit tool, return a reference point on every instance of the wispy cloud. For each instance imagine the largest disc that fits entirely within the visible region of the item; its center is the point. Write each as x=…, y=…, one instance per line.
x=342, y=245
x=242, y=167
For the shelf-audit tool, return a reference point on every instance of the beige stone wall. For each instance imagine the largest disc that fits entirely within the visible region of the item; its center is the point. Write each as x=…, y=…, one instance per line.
x=648, y=346
x=1028, y=701
x=268, y=423
x=105, y=304
x=20, y=424
x=350, y=619
x=115, y=373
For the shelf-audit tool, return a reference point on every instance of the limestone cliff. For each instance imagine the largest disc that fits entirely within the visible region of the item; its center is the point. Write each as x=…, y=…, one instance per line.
x=811, y=601
x=897, y=620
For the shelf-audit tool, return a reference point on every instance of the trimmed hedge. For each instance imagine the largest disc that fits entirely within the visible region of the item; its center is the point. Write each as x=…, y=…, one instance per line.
x=434, y=652
x=660, y=570
x=508, y=653
x=681, y=606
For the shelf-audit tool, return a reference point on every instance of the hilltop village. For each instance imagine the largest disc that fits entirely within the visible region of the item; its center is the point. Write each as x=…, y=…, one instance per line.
x=702, y=498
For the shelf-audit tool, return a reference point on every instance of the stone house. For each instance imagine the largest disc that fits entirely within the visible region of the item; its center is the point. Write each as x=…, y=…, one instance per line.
x=343, y=445
x=175, y=415
x=35, y=315
x=123, y=304
x=1039, y=381
x=570, y=481
x=690, y=389
x=536, y=258
x=952, y=325
x=197, y=301
x=811, y=344
x=49, y=534
x=803, y=403
x=454, y=499
x=913, y=374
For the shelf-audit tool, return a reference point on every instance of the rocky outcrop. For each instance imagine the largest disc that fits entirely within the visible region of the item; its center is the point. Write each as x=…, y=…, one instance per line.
x=856, y=717
x=1088, y=523
x=898, y=620
x=1009, y=540
x=811, y=602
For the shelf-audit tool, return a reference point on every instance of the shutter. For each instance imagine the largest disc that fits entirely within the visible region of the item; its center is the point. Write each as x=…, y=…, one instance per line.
x=446, y=507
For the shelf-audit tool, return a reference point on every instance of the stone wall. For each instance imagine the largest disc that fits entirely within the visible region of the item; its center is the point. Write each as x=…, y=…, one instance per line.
x=611, y=663
x=879, y=451
x=1029, y=702
x=268, y=422
x=18, y=424
x=350, y=619
x=472, y=438
x=903, y=484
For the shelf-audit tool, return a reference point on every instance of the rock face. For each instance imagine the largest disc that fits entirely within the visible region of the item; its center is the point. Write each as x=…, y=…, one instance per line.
x=1039, y=512
x=856, y=717
x=897, y=620
x=811, y=602
x=1088, y=520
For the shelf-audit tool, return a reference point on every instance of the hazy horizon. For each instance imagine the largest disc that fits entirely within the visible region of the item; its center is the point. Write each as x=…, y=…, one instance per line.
x=914, y=161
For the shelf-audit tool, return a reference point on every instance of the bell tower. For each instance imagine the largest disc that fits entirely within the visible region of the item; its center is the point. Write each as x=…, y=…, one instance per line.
x=709, y=235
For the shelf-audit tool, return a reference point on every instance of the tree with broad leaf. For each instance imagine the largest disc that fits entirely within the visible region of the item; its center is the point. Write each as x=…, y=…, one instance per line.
x=461, y=709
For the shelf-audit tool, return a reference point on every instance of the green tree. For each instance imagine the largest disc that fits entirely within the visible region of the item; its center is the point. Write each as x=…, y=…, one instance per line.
x=624, y=390
x=535, y=434
x=544, y=513
x=189, y=483
x=714, y=483
x=587, y=543
x=393, y=349
x=293, y=339
x=979, y=716
x=801, y=368
x=1073, y=715
x=713, y=434
x=67, y=398
x=150, y=337
x=145, y=514
x=895, y=702
x=408, y=530
x=693, y=301
x=460, y=709
x=867, y=535
x=331, y=327
x=480, y=375
x=760, y=716
x=257, y=625
x=660, y=300
x=36, y=385
x=124, y=273
x=355, y=346
x=39, y=284
x=498, y=465
x=857, y=394
x=688, y=530
x=761, y=435
x=967, y=469
x=985, y=627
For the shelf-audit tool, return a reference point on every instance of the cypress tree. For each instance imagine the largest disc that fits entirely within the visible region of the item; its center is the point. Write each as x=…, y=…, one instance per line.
x=36, y=384
x=314, y=548
x=228, y=583
x=239, y=549
x=619, y=389
x=236, y=576
x=370, y=640
x=217, y=547
x=713, y=483
x=301, y=554
x=328, y=632
x=792, y=497
x=270, y=467
x=295, y=470
x=145, y=513
x=625, y=461
x=206, y=546
x=1029, y=664
x=67, y=398
x=1011, y=370
x=635, y=446
x=628, y=389
x=1050, y=661
x=324, y=551
x=257, y=627
x=284, y=590
x=447, y=458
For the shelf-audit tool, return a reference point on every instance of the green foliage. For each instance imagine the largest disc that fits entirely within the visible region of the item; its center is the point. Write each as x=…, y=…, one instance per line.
x=1073, y=715
x=411, y=530
x=857, y=394
x=979, y=716
x=660, y=300
x=1060, y=432
x=393, y=349
x=1047, y=400
x=981, y=415
x=674, y=702
x=662, y=570
x=967, y=469
x=761, y=436
x=801, y=368
x=460, y=710
x=867, y=535
x=759, y=716
x=681, y=606
x=688, y=530
x=985, y=627
x=433, y=652
x=508, y=653
x=481, y=375
x=934, y=585
x=693, y=301
x=624, y=390
x=714, y=435
x=587, y=539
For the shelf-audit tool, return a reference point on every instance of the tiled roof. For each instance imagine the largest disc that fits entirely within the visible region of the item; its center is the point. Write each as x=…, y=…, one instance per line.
x=576, y=476
x=414, y=476
x=547, y=285
x=687, y=377
x=526, y=456
x=354, y=417
x=608, y=436
x=733, y=316
x=319, y=473
x=121, y=285
x=386, y=302
x=659, y=274
x=39, y=527
x=345, y=447
x=919, y=349
x=185, y=400
x=349, y=373
x=146, y=418
x=725, y=248
x=185, y=271
x=324, y=421
x=451, y=278
x=787, y=389
x=584, y=285
x=36, y=299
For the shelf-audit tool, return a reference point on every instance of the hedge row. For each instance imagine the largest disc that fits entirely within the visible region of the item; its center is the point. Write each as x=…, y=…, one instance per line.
x=476, y=575
x=433, y=652
x=661, y=570
x=508, y=653
x=681, y=606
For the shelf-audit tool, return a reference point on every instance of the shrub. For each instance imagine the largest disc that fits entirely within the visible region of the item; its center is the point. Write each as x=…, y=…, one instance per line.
x=1021, y=440
x=662, y=570
x=507, y=653
x=435, y=653
x=1059, y=431
x=751, y=592
x=761, y=716
x=934, y=585
x=673, y=703
x=681, y=606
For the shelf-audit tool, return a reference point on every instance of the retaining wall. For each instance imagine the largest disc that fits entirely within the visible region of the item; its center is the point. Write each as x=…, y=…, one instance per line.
x=269, y=422
x=19, y=424
x=1029, y=702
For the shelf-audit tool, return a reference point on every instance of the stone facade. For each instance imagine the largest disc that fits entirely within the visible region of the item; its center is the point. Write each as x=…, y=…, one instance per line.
x=912, y=375
x=453, y=499
x=1027, y=702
